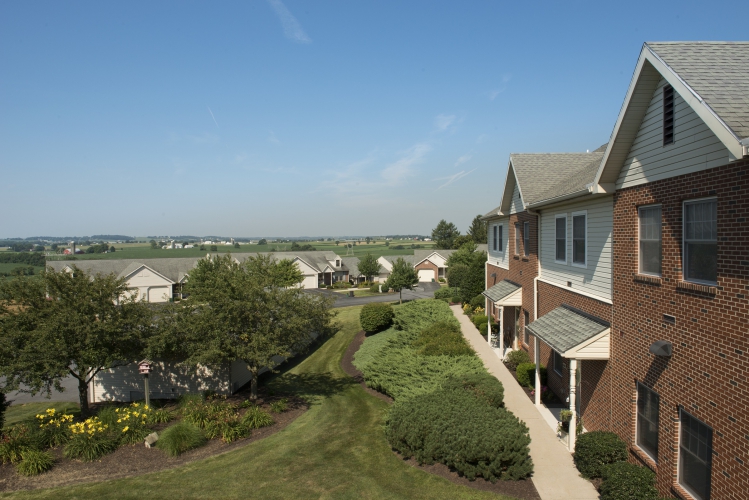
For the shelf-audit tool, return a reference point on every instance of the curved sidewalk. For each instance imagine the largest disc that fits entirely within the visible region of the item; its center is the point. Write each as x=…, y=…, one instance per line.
x=555, y=475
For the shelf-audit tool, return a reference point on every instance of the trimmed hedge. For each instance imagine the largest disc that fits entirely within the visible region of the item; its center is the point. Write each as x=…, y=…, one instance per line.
x=376, y=316
x=526, y=374
x=442, y=338
x=517, y=357
x=453, y=427
x=626, y=481
x=371, y=347
x=595, y=450
x=445, y=292
x=417, y=315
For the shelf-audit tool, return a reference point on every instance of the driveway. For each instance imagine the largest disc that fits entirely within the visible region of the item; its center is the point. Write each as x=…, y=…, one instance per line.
x=420, y=291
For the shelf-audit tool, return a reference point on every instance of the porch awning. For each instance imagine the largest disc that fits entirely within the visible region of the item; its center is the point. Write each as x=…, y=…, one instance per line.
x=573, y=333
x=503, y=292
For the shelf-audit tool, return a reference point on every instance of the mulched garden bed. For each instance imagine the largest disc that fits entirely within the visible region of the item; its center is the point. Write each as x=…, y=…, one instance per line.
x=134, y=460
x=519, y=489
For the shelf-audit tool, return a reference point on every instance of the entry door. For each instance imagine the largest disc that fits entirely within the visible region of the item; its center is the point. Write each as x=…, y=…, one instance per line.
x=517, y=327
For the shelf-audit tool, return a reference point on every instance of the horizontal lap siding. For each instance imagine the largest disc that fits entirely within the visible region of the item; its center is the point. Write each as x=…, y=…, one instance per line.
x=499, y=259
x=596, y=278
x=695, y=146
x=516, y=205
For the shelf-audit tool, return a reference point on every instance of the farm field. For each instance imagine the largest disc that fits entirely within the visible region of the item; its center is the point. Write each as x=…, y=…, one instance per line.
x=337, y=449
x=144, y=251
x=8, y=267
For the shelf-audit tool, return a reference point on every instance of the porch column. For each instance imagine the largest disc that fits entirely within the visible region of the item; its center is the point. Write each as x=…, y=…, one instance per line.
x=515, y=327
x=537, y=356
x=501, y=335
x=489, y=321
x=573, y=419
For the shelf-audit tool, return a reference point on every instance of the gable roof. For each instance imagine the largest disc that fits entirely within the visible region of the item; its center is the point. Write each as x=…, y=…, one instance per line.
x=565, y=327
x=710, y=76
x=173, y=269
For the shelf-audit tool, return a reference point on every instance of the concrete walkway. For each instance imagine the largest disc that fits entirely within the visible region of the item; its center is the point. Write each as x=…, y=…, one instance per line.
x=555, y=475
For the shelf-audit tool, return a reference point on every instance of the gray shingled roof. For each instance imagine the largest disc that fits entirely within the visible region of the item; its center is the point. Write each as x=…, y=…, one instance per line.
x=172, y=268
x=718, y=72
x=566, y=327
x=554, y=173
x=501, y=290
x=352, y=264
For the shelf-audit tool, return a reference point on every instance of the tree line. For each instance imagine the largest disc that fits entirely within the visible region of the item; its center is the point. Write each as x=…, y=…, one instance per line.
x=446, y=235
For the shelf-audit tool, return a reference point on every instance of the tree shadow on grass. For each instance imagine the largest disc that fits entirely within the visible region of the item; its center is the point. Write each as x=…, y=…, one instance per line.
x=309, y=386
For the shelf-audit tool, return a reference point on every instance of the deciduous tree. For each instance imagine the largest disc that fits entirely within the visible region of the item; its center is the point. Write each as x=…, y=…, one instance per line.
x=68, y=323
x=368, y=266
x=403, y=276
x=465, y=270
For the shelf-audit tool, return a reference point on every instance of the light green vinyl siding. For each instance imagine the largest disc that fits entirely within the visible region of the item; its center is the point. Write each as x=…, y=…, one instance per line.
x=595, y=278
x=695, y=146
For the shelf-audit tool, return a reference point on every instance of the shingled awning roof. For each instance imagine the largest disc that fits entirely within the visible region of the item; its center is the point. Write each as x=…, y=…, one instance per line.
x=501, y=290
x=573, y=333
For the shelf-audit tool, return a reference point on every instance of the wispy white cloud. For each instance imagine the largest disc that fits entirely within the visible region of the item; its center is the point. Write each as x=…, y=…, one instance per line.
x=398, y=171
x=291, y=27
x=453, y=178
x=214, y=118
x=463, y=159
x=502, y=87
x=273, y=139
x=442, y=122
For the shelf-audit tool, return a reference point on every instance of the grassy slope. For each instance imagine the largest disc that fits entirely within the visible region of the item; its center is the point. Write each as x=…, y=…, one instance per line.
x=335, y=450
x=18, y=413
x=141, y=251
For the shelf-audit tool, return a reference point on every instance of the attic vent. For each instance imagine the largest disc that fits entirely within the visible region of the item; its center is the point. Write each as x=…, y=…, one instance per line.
x=668, y=115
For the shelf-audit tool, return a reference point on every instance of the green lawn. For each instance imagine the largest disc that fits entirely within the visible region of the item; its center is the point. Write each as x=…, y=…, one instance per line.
x=335, y=450
x=144, y=251
x=18, y=413
x=8, y=267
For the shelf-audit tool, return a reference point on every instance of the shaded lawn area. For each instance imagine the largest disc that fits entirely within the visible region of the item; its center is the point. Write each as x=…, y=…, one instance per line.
x=337, y=449
x=19, y=413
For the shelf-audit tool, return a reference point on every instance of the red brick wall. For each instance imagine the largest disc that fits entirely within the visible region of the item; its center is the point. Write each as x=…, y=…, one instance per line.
x=707, y=373
x=595, y=396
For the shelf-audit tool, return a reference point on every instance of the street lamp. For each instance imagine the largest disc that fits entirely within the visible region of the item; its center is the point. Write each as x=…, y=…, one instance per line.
x=144, y=367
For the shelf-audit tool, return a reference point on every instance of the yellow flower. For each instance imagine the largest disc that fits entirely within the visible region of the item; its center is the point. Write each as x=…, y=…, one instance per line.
x=125, y=429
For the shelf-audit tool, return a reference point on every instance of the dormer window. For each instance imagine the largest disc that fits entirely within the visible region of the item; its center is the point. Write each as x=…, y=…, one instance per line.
x=668, y=115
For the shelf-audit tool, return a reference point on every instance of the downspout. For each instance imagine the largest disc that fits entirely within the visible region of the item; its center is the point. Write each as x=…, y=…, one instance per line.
x=538, y=262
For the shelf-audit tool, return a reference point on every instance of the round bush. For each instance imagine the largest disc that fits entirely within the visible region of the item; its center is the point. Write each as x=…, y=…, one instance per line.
x=625, y=481
x=517, y=357
x=375, y=317
x=597, y=449
x=485, y=387
x=526, y=373
x=478, y=301
x=375, y=288
x=180, y=438
x=455, y=299
x=444, y=292
x=34, y=462
x=480, y=321
x=452, y=426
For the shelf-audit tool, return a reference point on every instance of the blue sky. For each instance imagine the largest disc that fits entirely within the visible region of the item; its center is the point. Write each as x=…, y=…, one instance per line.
x=291, y=118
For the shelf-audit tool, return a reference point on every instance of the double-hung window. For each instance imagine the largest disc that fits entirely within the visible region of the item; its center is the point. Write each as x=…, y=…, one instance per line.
x=695, y=455
x=561, y=239
x=648, y=404
x=500, y=244
x=579, y=237
x=526, y=238
x=701, y=240
x=650, y=240
x=495, y=241
x=517, y=238
x=526, y=333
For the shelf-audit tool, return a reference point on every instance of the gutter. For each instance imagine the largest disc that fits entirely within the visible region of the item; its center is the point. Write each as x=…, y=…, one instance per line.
x=559, y=198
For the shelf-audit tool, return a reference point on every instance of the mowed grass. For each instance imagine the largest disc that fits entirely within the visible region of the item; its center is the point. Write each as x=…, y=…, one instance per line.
x=6, y=267
x=337, y=449
x=21, y=412
x=144, y=251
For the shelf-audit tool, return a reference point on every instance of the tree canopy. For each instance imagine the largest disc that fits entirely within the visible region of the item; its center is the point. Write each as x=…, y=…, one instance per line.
x=403, y=276
x=465, y=271
x=242, y=312
x=477, y=231
x=368, y=266
x=444, y=234
x=68, y=323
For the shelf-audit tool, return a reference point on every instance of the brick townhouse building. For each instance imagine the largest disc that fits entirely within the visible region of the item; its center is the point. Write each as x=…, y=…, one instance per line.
x=664, y=211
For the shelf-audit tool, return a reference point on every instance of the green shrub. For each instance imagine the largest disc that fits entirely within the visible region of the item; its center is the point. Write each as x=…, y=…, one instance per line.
x=445, y=292
x=34, y=462
x=375, y=288
x=161, y=416
x=376, y=316
x=625, y=481
x=179, y=438
x=371, y=347
x=480, y=320
x=17, y=440
x=526, y=374
x=3, y=406
x=279, y=406
x=455, y=299
x=478, y=301
x=517, y=357
x=442, y=339
x=484, y=387
x=228, y=428
x=255, y=418
x=455, y=428
x=417, y=315
x=90, y=447
x=107, y=415
x=596, y=449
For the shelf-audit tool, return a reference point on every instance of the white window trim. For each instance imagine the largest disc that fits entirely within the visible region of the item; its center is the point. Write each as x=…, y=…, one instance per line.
x=637, y=422
x=501, y=249
x=526, y=239
x=640, y=271
x=684, y=240
x=678, y=458
x=566, y=238
x=572, y=239
x=517, y=238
